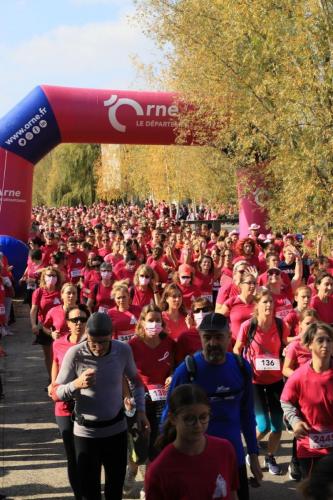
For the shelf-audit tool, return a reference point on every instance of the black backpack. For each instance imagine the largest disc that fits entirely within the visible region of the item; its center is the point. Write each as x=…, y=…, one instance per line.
x=191, y=368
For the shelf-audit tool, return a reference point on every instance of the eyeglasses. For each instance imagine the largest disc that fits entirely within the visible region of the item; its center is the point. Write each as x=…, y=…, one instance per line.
x=205, y=309
x=191, y=420
x=78, y=319
x=144, y=276
x=185, y=277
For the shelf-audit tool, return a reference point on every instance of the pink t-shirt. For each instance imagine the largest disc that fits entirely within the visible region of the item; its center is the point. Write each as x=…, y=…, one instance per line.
x=189, y=293
x=142, y=298
x=101, y=295
x=55, y=319
x=324, y=309
x=297, y=353
x=224, y=294
x=60, y=347
x=204, y=283
x=124, y=322
x=264, y=352
x=45, y=301
x=312, y=394
x=239, y=312
x=282, y=305
x=174, y=328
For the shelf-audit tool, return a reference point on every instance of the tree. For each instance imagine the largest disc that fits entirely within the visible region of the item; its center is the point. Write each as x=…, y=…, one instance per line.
x=259, y=76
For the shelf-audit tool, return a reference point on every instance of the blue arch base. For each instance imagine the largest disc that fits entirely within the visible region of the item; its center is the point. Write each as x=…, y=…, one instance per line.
x=16, y=252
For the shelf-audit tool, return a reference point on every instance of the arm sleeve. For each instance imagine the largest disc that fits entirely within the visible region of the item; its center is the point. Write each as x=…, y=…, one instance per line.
x=36, y=297
x=247, y=416
x=65, y=380
x=132, y=373
x=289, y=398
x=290, y=412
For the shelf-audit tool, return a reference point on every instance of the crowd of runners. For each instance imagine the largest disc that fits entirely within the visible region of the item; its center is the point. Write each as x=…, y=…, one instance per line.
x=167, y=342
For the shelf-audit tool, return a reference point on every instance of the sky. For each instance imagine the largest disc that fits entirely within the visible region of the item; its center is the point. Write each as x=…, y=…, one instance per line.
x=75, y=43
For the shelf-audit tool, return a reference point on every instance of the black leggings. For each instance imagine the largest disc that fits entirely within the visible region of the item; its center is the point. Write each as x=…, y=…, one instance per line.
x=65, y=425
x=306, y=465
x=91, y=454
x=243, y=490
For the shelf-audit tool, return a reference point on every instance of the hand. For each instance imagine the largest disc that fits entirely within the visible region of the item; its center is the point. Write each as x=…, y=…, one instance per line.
x=55, y=334
x=143, y=422
x=189, y=320
x=255, y=467
x=301, y=429
x=167, y=382
x=86, y=379
x=252, y=270
x=129, y=403
x=319, y=237
x=49, y=390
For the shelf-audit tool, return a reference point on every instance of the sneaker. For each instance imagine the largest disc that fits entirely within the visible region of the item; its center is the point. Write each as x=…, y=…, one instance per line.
x=129, y=481
x=271, y=465
x=142, y=495
x=294, y=470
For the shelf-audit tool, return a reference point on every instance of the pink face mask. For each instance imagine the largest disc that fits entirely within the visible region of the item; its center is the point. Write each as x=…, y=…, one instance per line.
x=51, y=280
x=185, y=281
x=152, y=328
x=106, y=274
x=143, y=280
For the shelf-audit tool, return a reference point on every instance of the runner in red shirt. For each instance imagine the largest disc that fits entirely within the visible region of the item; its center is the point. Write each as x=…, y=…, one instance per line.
x=184, y=279
x=174, y=313
x=204, y=277
x=263, y=351
x=76, y=260
x=44, y=299
x=153, y=352
x=231, y=289
x=55, y=323
x=76, y=319
x=115, y=256
x=283, y=300
x=91, y=277
x=189, y=341
x=323, y=301
x=307, y=399
x=127, y=272
x=100, y=293
x=31, y=275
x=192, y=465
x=239, y=308
x=124, y=316
x=155, y=261
x=145, y=283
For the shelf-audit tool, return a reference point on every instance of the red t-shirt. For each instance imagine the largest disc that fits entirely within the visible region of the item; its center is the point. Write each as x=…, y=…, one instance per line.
x=47, y=251
x=204, y=283
x=264, y=352
x=292, y=320
x=324, y=309
x=210, y=474
x=60, y=347
x=162, y=274
x=154, y=364
x=45, y=300
x=312, y=394
x=239, y=312
x=225, y=293
x=282, y=305
x=190, y=293
x=55, y=318
x=91, y=278
x=113, y=259
x=75, y=263
x=297, y=352
x=142, y=298
x=101, y=295
x=2, y=303
x=125, y=274
x=174, y=328
x=188, y=342
x=124, y=322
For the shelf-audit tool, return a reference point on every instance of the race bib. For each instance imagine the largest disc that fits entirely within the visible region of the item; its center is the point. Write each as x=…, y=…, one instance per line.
x=207, y=297
x=264, y=363
x=103, y=309
x=157, y=392
x=125, y=336
x=321, y=440
x=75, y=273
x=56, y=301
x=2, y=309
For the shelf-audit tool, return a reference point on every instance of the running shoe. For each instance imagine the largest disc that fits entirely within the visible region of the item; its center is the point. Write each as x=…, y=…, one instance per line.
x=129, y=483
x=271, y=465
x=294, y=470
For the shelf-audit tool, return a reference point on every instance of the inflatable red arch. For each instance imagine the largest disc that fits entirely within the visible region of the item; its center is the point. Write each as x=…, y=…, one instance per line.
x=51, y=115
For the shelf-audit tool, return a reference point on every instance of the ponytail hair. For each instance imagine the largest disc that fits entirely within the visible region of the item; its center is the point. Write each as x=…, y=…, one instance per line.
x=182, y=396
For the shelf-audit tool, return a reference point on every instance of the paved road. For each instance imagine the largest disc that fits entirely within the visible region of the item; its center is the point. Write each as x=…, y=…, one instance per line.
x=32, y=464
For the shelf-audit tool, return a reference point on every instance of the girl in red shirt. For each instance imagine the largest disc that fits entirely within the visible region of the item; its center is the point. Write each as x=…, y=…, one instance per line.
x=124, y=316
x=192, y=465
x=323, y=301
x=44, y=299
x=184, y=279
x=144, y=290
x=153, y=352
x=100, y=292
x=174, y=313
x=204, y=277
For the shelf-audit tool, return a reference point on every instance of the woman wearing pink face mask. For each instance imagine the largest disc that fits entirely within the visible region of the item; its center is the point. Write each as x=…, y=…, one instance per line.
x=153, y=352
x=100, y=293
x=189, y=341
x=145, y=291
x=174, y=313
x=184, y=279
x=45, y=298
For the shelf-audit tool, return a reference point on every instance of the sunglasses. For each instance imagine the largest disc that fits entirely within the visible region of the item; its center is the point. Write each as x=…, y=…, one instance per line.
x=185, y=277
x=273, y=273
x=78, y=319
x=144, y=276
x=201, y=309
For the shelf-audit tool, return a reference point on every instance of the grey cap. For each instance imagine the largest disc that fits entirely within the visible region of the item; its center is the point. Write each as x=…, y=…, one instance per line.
x=99, y=325
x=214, y=322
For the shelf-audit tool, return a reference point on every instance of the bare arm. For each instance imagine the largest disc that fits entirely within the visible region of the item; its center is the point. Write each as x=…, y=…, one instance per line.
x=238, y=347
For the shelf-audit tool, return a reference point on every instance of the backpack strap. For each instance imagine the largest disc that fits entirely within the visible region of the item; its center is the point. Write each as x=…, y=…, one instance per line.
x=241, y=364
x=251, y=333
x=191, y=367
x=279, y=326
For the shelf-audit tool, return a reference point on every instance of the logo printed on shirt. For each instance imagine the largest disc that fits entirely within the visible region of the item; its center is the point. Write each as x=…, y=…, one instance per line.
x=165, y=356
x=220, y=487
x=133, y=320
x=78, y=261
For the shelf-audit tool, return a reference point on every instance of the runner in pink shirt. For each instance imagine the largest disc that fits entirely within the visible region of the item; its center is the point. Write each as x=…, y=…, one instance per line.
x=174, y=313
x=55, y=324
x=145, y=287
x=184, y=279
x=323, y=301
x=100, y=293
x=124, y=316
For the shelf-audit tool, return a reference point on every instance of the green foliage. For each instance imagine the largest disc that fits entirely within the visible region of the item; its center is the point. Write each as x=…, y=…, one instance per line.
x=67, y=176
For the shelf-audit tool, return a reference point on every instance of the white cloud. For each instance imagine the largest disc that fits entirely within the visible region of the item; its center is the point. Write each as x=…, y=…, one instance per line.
x=94, y=55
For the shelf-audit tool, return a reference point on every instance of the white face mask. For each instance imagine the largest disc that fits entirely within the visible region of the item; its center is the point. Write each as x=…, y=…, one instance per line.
x=198, y=317
x=185, y=281
x=143, y=280
x=152, y=328
x=51, y=280
x=106, y=274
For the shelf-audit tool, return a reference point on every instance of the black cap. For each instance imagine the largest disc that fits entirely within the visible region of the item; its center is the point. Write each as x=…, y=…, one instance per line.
x=99, y=325
x=214, y=322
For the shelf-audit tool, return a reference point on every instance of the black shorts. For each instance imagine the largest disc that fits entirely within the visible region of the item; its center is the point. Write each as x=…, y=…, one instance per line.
x=43, y=339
